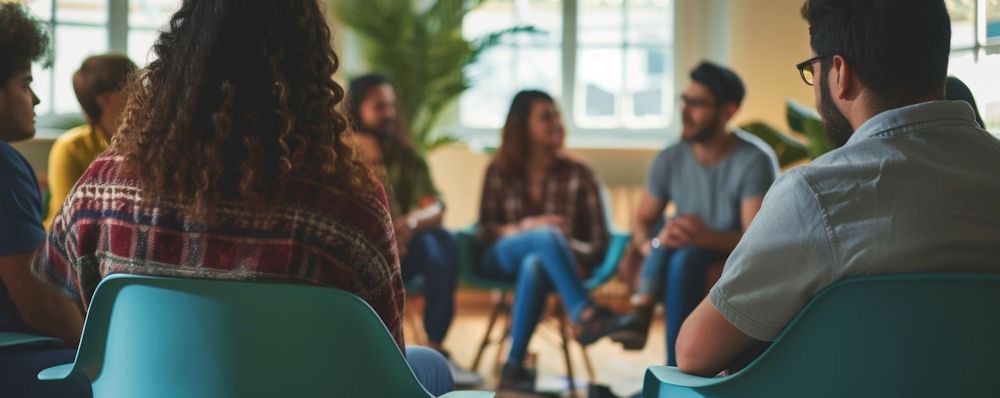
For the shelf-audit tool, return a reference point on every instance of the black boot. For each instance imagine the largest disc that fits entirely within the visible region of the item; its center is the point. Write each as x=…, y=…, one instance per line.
x=633, y=336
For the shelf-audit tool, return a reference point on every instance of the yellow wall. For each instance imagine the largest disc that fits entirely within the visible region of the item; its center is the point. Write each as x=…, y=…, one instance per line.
x=767, y=39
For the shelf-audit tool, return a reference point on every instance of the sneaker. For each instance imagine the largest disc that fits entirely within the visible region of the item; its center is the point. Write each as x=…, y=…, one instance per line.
x=463, y=377
x=601, y=322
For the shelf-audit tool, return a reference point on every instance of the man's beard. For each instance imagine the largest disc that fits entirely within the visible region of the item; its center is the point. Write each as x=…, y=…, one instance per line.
x=384, y=129
x=704, y=133
x=836, y=126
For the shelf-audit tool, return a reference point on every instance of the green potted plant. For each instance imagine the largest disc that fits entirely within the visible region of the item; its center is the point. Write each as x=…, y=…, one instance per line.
x=422, y=51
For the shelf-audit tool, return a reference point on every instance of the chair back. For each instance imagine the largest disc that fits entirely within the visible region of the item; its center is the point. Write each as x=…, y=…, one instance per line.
x=167, y=337
x=915, y=335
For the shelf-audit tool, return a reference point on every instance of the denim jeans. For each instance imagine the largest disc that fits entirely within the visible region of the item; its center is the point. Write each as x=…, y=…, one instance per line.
x=431, y=369
x=540, y=261
x=682, y=273
x=433, y=253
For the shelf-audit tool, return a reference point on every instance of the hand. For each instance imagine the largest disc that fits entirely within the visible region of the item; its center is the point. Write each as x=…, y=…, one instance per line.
x=644, y=246
x=684, y=230
x=546, y=220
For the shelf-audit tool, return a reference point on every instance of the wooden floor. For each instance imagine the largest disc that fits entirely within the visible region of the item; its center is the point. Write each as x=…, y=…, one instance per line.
x=621, y=370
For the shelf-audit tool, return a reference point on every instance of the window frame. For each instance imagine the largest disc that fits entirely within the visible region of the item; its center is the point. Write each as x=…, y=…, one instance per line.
x=593, y=137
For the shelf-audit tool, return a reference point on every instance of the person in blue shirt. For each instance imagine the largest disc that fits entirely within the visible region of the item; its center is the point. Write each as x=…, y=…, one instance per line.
x=26, y=305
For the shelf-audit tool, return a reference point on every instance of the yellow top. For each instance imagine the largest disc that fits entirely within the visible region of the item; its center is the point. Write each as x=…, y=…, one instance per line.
x=71, y=154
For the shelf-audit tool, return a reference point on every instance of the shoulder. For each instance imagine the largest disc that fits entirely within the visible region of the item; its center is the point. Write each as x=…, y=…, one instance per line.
x=577, y=166
x=74, y=135
x=671, y=154
x=754, y=148
x=12, y=163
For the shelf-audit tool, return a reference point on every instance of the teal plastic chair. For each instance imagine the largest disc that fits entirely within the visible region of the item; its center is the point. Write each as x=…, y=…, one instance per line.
x=12, y=339
x=167, y=337
x=471, y=273
x=917, y=335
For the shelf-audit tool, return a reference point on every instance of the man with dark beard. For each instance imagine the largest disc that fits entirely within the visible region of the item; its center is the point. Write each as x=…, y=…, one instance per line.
x=911, y=187
x=716, y=178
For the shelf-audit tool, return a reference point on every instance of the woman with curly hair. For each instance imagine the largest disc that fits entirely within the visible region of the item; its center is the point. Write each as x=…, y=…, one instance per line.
x=232, y=163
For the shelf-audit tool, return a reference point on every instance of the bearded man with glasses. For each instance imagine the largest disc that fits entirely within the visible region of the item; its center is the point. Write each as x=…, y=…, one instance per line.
x=911, y=187
x=716, y=177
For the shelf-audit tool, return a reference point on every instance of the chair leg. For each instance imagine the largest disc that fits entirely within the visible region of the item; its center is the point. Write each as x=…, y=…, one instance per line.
x=498, y=306
x=565, y=337
x=591, y=375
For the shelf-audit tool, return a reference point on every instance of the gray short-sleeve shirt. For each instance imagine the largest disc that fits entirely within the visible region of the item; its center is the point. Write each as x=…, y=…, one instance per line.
x=914, y=190
x=713, y=193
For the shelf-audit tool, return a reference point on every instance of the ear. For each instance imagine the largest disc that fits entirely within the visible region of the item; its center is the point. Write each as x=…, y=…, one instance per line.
x=727, y=111
x=843, y=81
x=103, y=100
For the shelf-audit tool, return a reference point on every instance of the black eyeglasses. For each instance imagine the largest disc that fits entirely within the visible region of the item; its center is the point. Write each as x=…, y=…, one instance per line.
x=806, y=68
x=694, y=102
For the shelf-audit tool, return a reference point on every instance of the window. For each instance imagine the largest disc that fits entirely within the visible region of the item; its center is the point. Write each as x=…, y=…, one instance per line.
x=81, y=28
x=609, y=63
x=975, y=53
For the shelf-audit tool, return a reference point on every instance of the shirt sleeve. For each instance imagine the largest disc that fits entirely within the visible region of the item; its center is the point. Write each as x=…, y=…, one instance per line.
x=424, y=186
x=785, y=257
x=490, y=211
x=657, y=181
x=20, y=208
x=590, y=226
x=57, y=265
x=759, y=176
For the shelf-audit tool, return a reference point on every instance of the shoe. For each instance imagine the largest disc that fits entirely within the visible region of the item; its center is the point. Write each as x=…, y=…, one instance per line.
x=601, y=322
x=515, y=377
x=634, y=336
x=463, y=377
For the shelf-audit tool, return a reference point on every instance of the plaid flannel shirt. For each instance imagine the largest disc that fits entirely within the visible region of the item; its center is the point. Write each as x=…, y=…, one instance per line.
x=316, y=234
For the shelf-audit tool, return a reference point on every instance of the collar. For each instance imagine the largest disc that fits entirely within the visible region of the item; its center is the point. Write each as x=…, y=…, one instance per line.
x=896, y=121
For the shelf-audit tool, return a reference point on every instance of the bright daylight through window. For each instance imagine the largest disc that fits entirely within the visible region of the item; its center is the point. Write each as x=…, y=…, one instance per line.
x=609, y=63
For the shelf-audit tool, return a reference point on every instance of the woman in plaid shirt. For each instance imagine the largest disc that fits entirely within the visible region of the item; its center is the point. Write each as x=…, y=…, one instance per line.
x=542, y=224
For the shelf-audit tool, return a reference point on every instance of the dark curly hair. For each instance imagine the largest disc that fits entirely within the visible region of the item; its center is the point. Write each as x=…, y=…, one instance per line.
x=23, y=40
x=240, y=98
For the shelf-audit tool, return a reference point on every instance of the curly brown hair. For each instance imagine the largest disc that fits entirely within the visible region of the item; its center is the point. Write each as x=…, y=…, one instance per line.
x=240, y=98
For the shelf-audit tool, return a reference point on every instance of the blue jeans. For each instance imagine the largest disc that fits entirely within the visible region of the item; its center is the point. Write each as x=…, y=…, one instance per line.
x=682, y=273
x=19, y=367
x=430, y=368
x=540, y=261
x=433, y=253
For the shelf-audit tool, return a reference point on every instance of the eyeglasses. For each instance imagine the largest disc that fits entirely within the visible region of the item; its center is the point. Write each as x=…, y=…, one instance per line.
x=806, y=68
x=693, y=102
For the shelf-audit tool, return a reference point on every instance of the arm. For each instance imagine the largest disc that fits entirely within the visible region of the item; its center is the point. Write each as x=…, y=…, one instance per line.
x=649, y=213
x=689, y=230
x=589, y=233
x=42, y=308
x=708, y=343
